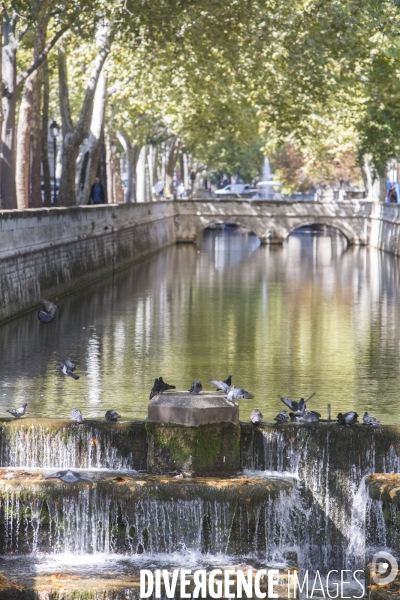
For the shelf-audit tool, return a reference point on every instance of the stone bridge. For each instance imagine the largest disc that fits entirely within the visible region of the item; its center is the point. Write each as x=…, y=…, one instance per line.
x=272, y=222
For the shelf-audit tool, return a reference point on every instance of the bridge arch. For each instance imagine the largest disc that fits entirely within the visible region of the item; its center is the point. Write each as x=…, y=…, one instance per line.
x=204, y=223
x=346, y=232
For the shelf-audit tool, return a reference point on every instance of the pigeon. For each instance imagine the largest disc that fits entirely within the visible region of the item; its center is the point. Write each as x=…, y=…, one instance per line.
x=256, y=416
x=222, y=385
x=164, y=386
x=349, y=418
x=112, y=415
x=76, y=415
x=196, y=387
x=44, y=317
x=18, y=412
x=237, y=393
x=232, y=392
x=49, y=307
x=159, y=387
x=67, y=367
x=282, y=417
x=305, y=417
x=293, y=404
x=370, y=420
x=68, y=476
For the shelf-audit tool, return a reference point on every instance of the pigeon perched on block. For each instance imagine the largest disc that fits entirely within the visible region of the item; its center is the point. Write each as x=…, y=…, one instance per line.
x=256, y=416
x=159, y=387
x=67, y=367
x=232, y=392
x=305, y=416
x=370, y=421
x=238, y=393
x=349, y=419
x=293, y=404
x=112, y=415
x=196, y=387
x=76, y=415
x=68, y=476
x=282, y=417
x=222, y=386
x=18, y=412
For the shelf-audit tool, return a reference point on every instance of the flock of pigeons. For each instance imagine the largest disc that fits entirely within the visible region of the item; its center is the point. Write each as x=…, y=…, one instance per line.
x=232, y=393
x=300, y=414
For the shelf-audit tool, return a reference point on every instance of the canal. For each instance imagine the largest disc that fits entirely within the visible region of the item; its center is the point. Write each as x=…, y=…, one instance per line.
x=313, y=315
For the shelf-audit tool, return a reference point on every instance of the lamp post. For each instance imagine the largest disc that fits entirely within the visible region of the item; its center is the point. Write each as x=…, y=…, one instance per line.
x=55, y=132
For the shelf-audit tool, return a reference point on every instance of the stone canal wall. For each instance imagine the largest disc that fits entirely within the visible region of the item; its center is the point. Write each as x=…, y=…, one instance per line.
x=52, y=251
x=48, y=252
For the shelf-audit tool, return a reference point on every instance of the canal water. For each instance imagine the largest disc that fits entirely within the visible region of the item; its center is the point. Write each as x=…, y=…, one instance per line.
x=313, y=315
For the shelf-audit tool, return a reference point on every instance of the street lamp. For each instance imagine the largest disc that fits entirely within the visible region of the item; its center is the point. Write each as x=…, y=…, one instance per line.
x=55, y=132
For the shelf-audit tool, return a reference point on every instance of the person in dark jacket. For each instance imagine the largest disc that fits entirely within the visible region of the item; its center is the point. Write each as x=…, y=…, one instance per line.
x=97, y=195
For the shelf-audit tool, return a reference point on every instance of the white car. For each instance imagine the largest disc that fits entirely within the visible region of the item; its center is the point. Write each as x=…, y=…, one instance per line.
x=234, y=188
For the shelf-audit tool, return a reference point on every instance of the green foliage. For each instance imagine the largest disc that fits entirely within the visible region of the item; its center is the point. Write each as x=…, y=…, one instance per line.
x=233, y=79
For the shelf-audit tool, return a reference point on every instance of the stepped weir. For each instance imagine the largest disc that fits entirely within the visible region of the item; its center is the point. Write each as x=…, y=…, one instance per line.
x=303, y=497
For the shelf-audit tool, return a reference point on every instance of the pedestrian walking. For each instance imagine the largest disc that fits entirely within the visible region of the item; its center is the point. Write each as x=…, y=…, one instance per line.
x=97, y=195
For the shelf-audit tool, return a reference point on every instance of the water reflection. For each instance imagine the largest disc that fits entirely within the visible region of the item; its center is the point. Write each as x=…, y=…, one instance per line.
x=313, y=315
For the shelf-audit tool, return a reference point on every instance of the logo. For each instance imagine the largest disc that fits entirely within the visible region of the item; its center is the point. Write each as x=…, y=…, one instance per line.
x=384, y=568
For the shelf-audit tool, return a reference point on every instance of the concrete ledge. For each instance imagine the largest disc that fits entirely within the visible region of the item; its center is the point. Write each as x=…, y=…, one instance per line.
x=183, y=408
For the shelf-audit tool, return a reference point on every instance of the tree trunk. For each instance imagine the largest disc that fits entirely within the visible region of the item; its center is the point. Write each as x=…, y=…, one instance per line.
x=1, y=112
x=91, y=149
x=9, y=68
x=45, y=134
x=367, y=176
x=382, y=187
x=73, y=136
x=115, y=191
x=132, y=154
x=29, y=121
x=102, y=165
x=172, y=156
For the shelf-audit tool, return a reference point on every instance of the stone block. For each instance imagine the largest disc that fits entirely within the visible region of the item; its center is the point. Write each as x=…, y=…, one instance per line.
x=209, y=450
x=183, y=408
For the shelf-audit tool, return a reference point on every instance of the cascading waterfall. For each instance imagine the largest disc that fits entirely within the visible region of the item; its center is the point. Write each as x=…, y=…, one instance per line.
x=92, y=520
x=331, y=463
x=89, y=447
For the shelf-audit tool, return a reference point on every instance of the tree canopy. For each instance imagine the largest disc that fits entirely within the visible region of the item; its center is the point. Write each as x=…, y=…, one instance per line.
x=219, y=82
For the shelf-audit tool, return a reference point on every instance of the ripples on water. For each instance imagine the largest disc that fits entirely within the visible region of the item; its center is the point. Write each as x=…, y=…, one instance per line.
x=311, y=316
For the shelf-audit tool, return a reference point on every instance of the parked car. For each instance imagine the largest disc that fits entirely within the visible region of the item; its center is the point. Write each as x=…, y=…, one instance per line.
x=234, y=188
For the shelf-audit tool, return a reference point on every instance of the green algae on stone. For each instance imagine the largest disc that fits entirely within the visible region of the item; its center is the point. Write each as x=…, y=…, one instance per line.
x=210, y=449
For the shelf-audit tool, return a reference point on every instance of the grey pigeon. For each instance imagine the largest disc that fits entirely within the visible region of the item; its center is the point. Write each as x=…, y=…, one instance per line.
x=256, y=416
x=76, y=415
x=293, y=404
x=305, y=416
x=18, y=412
x=237, y=393
x=282, y=417
x=112, y=415
x=196, y=387
x=68, y=476
x=67, y=367
x=223, y=386
x=44, y=317
x=348, y=419
x=159, y=387
x=370, y=420
x=49, y=307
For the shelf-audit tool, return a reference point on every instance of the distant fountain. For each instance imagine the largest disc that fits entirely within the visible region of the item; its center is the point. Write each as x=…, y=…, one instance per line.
x=266, y=171
x=266, y=187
